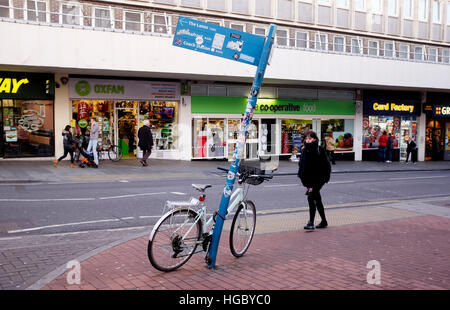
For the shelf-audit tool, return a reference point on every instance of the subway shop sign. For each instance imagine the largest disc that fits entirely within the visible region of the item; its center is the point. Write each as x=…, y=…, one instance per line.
x=18, y=85
x=235, y=105
x=394, y=107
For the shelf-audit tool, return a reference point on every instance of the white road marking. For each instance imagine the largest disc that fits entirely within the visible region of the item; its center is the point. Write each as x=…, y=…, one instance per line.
x=46, y=199
x=411, y=178
x=61, y=225
x=282, y=185
x=178, y=193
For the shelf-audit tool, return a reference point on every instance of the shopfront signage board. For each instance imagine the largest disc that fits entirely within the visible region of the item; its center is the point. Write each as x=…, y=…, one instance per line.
x=441, y=110
x=391, y=107
x=218, y=41
x=22, y=85
x=235, y=105
x=104, y=89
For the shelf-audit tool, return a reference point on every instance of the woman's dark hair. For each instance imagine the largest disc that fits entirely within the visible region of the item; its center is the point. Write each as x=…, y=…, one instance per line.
x=67, y=128
x=312, y=134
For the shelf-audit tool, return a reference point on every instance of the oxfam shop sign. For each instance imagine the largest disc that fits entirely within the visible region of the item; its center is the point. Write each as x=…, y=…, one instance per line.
x=122, y=89
x=234, y=105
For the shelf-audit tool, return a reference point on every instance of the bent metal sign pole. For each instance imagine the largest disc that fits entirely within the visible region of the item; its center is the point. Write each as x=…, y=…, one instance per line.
x=235, y=45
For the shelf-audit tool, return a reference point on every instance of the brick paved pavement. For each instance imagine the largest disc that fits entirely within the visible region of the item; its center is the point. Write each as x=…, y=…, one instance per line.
x=412, y=249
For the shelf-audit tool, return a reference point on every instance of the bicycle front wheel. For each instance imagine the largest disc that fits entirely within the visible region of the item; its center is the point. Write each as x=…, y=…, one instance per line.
x=243, y=228
x=115, y=153
x=174, y=239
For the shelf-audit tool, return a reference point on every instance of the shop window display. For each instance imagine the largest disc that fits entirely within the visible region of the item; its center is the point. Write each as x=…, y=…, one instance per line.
x=163, y=117
x=292, y=132
x=342, y=130
x=28, y=128
x=103, y=110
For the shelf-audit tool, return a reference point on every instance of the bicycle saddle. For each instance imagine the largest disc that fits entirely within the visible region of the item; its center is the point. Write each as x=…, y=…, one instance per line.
x=201, y=187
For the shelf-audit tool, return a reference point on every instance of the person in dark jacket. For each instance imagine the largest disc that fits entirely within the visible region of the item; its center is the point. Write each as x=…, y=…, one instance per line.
x=68, y=142
x=411, y=149
x=145, y=141
x=314, y=171
x=389, y=147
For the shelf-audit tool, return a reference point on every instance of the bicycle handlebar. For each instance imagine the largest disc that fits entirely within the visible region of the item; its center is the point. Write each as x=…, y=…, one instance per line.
x=245, y=175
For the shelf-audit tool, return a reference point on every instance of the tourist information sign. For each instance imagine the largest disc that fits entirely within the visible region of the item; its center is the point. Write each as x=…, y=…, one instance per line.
x=235, y=45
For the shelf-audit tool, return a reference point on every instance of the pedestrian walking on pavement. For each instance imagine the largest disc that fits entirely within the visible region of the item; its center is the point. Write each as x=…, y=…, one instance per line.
x=389, y=147
x=329, y=146
x=68, y=142
x=145, y=141
x=93, y=139
x=314, y=171
x=382, y=142
x=411, y=149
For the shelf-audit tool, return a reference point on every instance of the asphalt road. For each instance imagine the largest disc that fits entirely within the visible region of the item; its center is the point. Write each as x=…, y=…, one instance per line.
x=70, y=207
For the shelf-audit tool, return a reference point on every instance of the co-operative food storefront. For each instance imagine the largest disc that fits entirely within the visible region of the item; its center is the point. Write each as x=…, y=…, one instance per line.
x=26, y=115
x=277, y=127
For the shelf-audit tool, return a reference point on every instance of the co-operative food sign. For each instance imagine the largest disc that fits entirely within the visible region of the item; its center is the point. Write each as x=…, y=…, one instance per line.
x=218, y=41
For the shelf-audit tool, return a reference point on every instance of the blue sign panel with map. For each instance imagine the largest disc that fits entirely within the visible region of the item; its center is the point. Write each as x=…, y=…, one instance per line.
x=218, y=41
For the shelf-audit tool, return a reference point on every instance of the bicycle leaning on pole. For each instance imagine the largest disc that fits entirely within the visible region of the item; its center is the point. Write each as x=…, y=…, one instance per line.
x=178, y=233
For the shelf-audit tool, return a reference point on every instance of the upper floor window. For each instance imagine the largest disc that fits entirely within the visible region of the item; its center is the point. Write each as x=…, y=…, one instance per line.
x=446, y=56
x=342, y=3
x=437, y=11
x=392, y=7
x=190, y=3
x=356, y=47
x=418, y=53
x=259, y=30
x=389, y=49
x=160, y=24
x=71, y=14
x=238, y=27
x=321, y=42
x=133, y=21
x=448, y=13
x=376, y=6
x=432, y=54
x=263, y=8
x=4, y=8
x=301, y=39
x=403, y=51
x=284, y=9
x=407, y=8
x=37, y=11
x=282, y=37
x=373, y=48
x=240, y=6
x=324, y=1
x=360, y=4
x=102, y=18
x=339, y=44
x=422, y=9
x=219, y=5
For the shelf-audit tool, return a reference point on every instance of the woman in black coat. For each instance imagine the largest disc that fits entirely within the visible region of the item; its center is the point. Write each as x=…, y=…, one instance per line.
x=314, y=171
x=145, y=141
x=68, y=142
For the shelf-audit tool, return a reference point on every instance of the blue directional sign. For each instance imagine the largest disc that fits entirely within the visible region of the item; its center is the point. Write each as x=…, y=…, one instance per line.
x=218, y=41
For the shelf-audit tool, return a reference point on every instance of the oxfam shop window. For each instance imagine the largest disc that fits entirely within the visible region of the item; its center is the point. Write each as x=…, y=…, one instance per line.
x=26, y=115
x=399, y=117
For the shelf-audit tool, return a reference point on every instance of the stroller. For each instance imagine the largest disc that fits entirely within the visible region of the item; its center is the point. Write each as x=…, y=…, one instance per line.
x=88, y=157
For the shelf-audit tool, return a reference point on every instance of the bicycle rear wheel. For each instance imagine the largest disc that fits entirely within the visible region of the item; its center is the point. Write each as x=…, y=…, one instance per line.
x=174, y=239
x=242, y=228
x=115, y=153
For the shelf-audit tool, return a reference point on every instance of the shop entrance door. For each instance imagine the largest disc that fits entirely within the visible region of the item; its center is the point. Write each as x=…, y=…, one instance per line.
x=268, y=136
x=126, y=115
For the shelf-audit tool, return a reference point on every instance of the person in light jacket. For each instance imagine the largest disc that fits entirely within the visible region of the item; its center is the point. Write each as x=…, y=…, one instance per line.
x=314, y=171
x=93, y=139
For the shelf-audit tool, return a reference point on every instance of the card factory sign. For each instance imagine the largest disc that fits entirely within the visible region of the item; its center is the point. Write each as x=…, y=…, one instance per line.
x=123, y=89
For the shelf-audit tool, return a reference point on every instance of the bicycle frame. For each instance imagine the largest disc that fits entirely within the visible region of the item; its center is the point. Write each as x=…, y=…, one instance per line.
x=236, y=199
